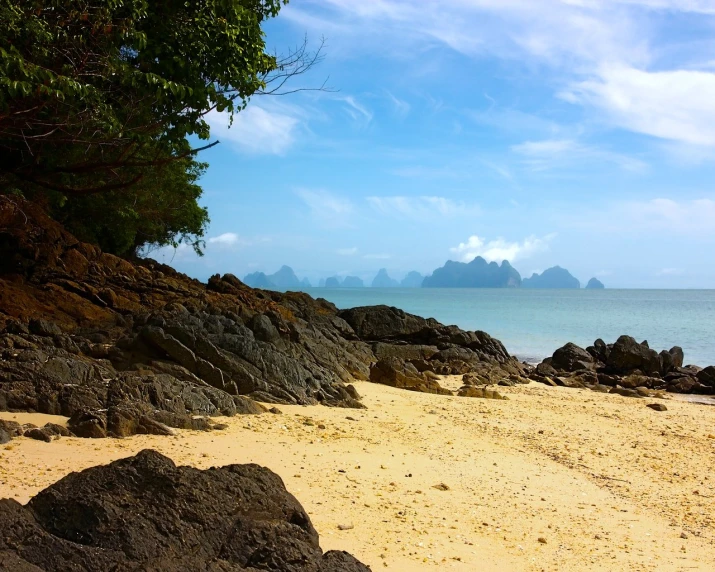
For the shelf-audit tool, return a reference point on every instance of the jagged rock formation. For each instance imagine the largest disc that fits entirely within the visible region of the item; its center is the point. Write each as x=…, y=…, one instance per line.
x=125, y=348
x=555, y=277
x=145, y=513
x=333, y=282
x=285, y=279
x=475, y=274
x=413, y=280
x=595, y=284
x=383, y=280
x=627, y=367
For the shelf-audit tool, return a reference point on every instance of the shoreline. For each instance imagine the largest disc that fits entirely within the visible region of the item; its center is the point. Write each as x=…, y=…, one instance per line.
x=616, y=494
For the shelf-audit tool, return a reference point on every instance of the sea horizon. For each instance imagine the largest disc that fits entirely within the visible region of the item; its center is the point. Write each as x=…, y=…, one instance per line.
x=533, y=323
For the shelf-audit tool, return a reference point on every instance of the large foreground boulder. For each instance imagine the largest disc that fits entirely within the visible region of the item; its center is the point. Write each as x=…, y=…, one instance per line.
x=145, y=513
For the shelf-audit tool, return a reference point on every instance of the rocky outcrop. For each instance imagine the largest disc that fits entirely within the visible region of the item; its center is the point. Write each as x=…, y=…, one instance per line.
x=475, y=274
x=626, y=366
x=595, y=284
x=136, y=347
x=555, y=277
x=145, y=513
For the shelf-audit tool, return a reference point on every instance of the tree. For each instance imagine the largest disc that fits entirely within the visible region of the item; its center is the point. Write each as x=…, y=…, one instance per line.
x=99, y=97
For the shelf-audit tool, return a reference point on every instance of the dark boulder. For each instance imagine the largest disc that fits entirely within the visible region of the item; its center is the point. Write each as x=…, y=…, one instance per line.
x=707, y=376
x=599, y=350
x=571, y=358
x=671, y=360
x=145, y=513
x=627, y=356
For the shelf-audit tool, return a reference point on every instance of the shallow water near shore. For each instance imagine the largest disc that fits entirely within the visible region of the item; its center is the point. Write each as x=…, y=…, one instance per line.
x=533, y=323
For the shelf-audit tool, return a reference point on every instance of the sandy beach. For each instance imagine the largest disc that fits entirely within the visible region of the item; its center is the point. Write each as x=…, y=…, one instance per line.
x=552, y=479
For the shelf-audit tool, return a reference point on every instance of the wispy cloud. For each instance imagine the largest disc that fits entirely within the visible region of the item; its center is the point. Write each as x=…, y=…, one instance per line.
x=421, y=207
x=356, y=110
x=676, y=105
x=255, y=130
x=377, y=256
x=327, y=208
x=402, y=108
x=670, y=272
x=499, y=249
x=347, y=251
x=663, y=215
x=550, y=153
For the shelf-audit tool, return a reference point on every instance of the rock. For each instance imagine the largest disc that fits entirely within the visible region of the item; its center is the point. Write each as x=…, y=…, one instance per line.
x=657, y=407
x=144, y=513
x=346, y=526
x=707, y=376
x=440, y=487
x=480, y=392
x=627, y=355
x=11, y=428
x=671, y=360
x=44, y=328
x=39, y=435
x=88, y=424
x=571, y=358
x=625, y=392
x=396, y=373
x=542, y=540
x=4, y=436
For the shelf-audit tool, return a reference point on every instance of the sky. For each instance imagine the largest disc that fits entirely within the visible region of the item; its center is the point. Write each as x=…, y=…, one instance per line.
x=578, y=133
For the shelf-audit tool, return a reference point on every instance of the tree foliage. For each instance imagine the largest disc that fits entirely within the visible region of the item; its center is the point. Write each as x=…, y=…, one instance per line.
x=98, y=97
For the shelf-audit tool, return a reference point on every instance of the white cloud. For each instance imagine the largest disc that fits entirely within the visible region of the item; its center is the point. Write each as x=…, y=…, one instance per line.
x=615, y=56
x=670, y=272
x=327, y=208
x=421, y=206
x=226, y=239
x=500, y=249
x=676, y=105
x=377, y=256
x=549, y=153
x=347, y=251
x=256, y=130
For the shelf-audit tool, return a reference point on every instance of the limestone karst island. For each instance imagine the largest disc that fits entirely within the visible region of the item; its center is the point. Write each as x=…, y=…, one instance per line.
x=345, y=286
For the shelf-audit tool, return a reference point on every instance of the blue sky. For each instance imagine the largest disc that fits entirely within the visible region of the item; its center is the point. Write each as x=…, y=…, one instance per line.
x=570, y=132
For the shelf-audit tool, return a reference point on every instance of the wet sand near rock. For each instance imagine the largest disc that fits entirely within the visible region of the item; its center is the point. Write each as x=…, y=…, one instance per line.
x=552, y=479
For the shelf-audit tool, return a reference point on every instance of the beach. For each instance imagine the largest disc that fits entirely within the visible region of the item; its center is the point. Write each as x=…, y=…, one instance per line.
x=551, y=479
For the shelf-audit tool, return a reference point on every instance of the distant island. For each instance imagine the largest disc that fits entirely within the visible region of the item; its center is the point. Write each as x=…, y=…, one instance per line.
x=475, y=274
x=284, y=279
x=555, y=277
x=383, y=280
x=412, y=280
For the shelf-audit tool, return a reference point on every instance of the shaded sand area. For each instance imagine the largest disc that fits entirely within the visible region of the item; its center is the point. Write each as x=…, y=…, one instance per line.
x=553, y=479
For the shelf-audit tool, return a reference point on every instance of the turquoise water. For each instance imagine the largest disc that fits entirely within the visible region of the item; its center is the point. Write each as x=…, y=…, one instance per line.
x=533, y=323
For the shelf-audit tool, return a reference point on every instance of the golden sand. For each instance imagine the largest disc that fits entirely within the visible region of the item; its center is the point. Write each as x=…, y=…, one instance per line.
x=553, y=479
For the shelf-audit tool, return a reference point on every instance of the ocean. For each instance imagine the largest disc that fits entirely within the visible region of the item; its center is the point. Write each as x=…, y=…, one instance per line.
x=534, y=323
